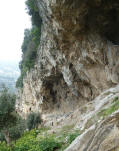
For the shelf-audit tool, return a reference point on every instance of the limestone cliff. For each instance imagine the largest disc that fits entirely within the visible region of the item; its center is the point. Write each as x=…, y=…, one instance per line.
x=77, y=60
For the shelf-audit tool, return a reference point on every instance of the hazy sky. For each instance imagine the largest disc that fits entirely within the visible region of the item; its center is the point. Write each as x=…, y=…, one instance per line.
x=13, y=21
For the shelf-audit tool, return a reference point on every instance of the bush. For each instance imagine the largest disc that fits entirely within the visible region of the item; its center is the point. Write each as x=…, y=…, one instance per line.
x=26, y=142
x=40, y=140
x=33, y=120
x=15, y=131
x=19, y=82
x=4, y=147
x=29, y=142
x=18, y=130
x=49, y=144
x=72, y=137
x=2, y=137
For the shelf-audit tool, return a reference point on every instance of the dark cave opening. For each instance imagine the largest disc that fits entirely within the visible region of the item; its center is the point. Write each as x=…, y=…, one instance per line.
x=104, y=19
x=111, y=29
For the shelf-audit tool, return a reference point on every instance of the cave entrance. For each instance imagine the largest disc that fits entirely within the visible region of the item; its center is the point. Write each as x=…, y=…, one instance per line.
x=111, y=29
x=104, y=18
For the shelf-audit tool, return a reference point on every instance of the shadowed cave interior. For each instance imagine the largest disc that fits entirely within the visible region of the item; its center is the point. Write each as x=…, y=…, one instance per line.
x=103, y=17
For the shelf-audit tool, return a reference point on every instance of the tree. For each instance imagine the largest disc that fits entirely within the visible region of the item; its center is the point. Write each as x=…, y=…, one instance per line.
x=33, y=120
x=32, y=9
x=18, y=129
x=8, y=117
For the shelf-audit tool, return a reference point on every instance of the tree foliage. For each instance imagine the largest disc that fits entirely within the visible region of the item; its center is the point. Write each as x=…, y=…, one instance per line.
x=8, y=116
x=31, y=41
x=33, y=120
x=11, y=124
x=7, y=109
x=32, y=10
x=17, y=130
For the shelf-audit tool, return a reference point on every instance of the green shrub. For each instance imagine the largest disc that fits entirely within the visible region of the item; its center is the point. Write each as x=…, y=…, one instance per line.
x=2, y=137
x=15, y=131
x=4, y=147
x=49, y=144
x=33, y=120
x=29, y=142
x=18, y=130
x=72, y=136
x=40, y=140
x=115, y=99
x=19, y=82
x=26, y=142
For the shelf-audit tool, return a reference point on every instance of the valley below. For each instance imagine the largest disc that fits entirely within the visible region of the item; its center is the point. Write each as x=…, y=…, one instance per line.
x=9, y=72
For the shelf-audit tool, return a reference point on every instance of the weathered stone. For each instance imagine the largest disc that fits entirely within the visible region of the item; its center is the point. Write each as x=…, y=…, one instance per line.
x=77, y=61
x=73, y=63
x=103, y=137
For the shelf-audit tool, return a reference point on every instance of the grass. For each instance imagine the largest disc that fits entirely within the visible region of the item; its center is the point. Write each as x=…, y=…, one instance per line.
x=111, y=109
x=67, y=135
x=67, y=128
x=64, y=137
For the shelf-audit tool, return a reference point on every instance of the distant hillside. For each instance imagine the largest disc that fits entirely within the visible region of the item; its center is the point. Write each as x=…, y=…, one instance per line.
x=9, y=73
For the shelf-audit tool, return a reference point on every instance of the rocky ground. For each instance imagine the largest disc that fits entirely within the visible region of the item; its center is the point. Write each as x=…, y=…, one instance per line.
x=100, y=128
x=98, y=123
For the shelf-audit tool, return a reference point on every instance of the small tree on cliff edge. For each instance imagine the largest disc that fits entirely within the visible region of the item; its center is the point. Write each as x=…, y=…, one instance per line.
x=8, y=116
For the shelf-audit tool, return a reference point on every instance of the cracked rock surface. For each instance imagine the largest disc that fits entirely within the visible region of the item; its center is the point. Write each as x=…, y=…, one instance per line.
x=77, y=62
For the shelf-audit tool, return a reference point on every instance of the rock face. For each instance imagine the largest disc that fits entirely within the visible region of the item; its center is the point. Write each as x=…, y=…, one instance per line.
x=100, y=131
x=77, y=57
x=77, y=61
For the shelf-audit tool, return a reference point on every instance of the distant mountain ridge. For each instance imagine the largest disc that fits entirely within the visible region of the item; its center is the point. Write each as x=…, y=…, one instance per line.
x=9, y=72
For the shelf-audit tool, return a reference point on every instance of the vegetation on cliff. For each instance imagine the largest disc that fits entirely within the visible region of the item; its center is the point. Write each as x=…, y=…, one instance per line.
x=42, y=140
x=31, y=41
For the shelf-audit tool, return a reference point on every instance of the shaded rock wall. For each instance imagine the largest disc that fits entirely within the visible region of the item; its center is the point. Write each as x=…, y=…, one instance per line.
x=77, y=56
